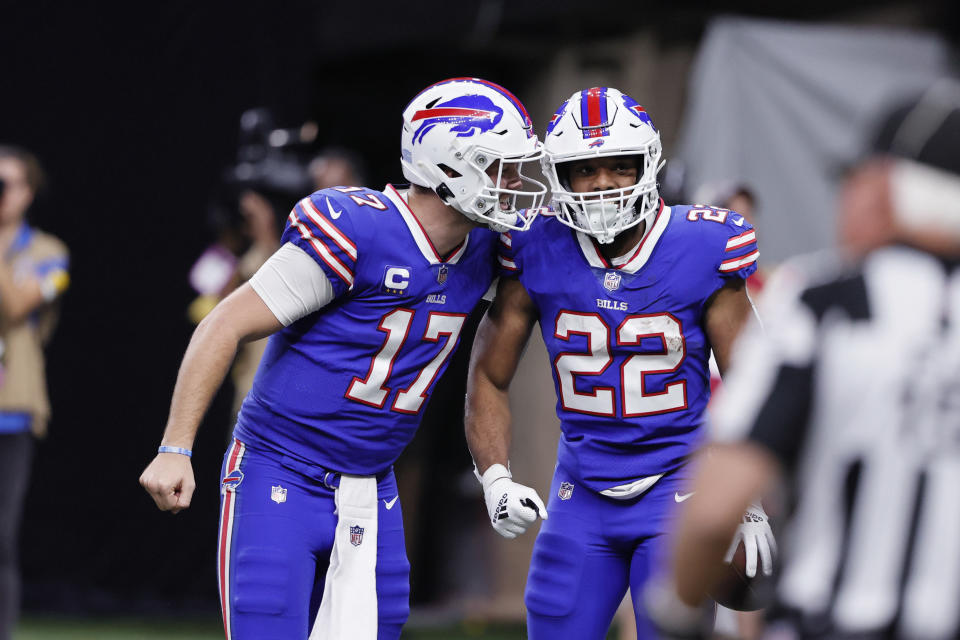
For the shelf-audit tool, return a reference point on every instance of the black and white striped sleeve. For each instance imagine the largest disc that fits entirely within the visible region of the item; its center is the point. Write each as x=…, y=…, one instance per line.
x=770, y=393
x=767, y=392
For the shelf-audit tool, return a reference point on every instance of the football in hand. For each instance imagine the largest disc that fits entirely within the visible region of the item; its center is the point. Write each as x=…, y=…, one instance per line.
x=736, y=591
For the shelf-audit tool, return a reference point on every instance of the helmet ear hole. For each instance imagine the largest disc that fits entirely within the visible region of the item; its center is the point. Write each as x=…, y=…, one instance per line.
x=451, y=173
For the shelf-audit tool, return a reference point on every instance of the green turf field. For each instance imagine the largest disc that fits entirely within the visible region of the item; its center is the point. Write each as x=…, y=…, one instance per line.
x=34, y=628
x=85, y=629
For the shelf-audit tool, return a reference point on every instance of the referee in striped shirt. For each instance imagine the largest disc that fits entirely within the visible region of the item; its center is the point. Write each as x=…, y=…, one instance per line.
x=852, y=395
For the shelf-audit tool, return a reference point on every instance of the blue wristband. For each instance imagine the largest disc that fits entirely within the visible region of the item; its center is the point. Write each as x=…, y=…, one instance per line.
x=184, y=452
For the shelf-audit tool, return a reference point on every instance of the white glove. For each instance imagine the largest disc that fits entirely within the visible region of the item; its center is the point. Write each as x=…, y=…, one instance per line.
x=757, y=537
x=512, y=507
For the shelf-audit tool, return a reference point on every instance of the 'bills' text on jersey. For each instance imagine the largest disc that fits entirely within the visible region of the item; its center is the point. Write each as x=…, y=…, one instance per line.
x=343, y=387
x=627, y=343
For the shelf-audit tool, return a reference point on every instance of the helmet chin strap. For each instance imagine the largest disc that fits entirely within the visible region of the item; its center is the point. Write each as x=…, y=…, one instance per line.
x=598, y=217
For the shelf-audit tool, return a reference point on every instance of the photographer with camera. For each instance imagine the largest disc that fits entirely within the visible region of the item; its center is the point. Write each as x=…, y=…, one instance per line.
x=249, y=212
x=33, y=274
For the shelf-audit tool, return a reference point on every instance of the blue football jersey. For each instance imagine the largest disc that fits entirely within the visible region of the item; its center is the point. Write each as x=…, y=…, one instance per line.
x=627, y=344
x=344, y=387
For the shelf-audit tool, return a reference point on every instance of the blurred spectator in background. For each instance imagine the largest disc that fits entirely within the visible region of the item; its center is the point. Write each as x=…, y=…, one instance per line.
x=33, y=273
x=244, y=244
x=852, y=394
x=269, y=176
x=337, y=167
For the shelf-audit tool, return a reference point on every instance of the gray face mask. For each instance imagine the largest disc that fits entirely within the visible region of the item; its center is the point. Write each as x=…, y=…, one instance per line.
x=601, y=218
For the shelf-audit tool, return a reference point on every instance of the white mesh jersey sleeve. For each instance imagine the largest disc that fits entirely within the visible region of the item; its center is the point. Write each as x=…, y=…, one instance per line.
x=292, y=284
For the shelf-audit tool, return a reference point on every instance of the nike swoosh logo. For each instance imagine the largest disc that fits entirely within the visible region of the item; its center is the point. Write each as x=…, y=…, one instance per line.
x=738, y=222
x=681, y=497
x=334, y=214
x=390, y=504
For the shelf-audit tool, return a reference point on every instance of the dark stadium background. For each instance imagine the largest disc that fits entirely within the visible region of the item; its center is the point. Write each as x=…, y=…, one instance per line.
x=133, y=108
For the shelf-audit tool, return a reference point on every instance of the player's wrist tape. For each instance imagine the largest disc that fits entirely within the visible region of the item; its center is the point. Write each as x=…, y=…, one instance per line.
x=493, y=472
x=184, y=452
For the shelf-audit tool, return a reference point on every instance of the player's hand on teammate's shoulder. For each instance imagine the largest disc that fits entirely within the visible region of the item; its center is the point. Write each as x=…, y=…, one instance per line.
x=169, y=481
x=512, y=507
x=758, y=542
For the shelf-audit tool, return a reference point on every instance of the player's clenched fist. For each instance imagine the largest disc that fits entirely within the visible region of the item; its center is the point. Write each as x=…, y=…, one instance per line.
x=512, y=507
x=169, y=481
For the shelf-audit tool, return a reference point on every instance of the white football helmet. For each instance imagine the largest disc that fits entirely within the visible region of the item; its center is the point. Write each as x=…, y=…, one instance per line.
x=466, y=125
x=602, y=122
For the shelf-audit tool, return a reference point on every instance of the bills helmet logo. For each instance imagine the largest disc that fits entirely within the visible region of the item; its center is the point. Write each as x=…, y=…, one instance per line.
x=556, y=117
x=231, y=481
x=566, y=491
x=356, y=535
x=637, y=110
x=595, y=143
x=611, y=281
x=467, y=114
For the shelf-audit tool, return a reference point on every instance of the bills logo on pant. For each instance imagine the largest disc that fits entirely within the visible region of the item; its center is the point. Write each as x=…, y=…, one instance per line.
x=566, y=491
x=231, y=481
x=356, y=536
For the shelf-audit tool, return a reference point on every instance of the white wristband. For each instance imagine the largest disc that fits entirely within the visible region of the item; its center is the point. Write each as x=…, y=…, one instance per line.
x=493, y=473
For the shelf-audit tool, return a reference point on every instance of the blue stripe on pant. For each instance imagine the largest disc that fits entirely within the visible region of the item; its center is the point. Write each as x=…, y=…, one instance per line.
x=280, y=547
x=589, y=551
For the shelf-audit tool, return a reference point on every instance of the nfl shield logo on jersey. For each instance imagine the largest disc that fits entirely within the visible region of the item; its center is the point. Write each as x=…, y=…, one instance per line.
x=442, y=273
x=356, y=535
x=278, y=494
x=566, y=491
x=611, y=281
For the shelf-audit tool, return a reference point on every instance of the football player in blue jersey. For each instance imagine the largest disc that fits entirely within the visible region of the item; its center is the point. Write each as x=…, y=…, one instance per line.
x=631, y=296
x=366, y=299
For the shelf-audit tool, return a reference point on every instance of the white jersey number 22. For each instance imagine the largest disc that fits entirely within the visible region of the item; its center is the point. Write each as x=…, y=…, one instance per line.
x=635, y=399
